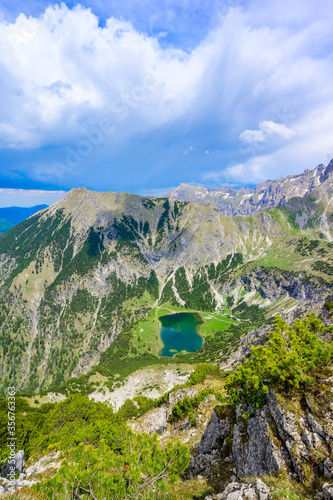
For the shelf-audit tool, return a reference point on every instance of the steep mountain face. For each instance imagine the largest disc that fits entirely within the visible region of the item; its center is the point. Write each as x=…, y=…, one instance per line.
x=9, y=216
x=269, y=194
x=77, y=279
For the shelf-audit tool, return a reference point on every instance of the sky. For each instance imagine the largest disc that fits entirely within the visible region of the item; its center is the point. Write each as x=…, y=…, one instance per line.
x=139, y=96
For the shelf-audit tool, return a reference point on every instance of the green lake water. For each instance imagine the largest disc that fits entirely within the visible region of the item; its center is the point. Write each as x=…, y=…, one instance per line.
x=179, y=332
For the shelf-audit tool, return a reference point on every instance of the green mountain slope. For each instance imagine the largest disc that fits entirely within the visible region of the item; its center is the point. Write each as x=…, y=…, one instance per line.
x=84, y=282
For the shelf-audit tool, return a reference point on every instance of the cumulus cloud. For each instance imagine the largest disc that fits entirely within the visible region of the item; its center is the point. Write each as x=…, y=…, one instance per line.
x=64, y=76
x=267, y=130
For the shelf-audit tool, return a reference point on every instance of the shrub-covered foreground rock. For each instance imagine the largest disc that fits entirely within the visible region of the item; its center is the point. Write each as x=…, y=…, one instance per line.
x=252, y=434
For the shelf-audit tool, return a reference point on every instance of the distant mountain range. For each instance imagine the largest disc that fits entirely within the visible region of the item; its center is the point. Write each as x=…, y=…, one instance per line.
x=10, y=216
x=269, y=194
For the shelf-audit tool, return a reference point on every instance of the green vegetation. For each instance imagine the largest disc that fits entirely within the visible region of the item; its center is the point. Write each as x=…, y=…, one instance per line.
x=201, y=371
x=138, y=465
x=287, y=361
x=96, y=283
x=186, y=407
x=102, y=456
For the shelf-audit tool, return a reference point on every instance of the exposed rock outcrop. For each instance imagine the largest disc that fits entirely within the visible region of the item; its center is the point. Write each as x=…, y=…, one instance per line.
x=258, y=490
x=289, y=434
x=327, y=493
x=254, y=450
x=212, y=441
x=47, y=464
x=15, y=465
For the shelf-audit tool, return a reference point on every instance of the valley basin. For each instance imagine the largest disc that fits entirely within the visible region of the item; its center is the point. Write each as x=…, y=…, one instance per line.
x=180, y=332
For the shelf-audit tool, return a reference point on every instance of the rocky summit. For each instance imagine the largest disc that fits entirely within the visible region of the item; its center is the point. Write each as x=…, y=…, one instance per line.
x=269, y=194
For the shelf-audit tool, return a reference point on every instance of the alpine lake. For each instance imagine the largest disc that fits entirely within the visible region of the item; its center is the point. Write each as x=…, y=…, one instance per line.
x=179, y=332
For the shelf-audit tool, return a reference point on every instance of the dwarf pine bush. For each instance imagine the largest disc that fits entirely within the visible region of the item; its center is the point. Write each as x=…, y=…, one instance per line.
x=288, y=360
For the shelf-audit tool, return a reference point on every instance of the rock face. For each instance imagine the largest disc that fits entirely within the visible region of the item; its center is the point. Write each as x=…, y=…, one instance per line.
x=254, y=451
x=154, y=421
x=157, y=421
x=212, y=441
x=288, y=432
x=15, y=466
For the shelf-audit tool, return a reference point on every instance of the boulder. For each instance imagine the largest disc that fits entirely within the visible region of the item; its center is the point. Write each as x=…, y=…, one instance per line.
x=232, y=492
x=156, y=421
x=327, y=467
x=327, y=493
x=237, y=491
x=262, y=489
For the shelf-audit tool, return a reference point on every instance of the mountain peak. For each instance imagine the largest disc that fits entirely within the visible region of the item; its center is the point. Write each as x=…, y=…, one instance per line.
x=246, y=201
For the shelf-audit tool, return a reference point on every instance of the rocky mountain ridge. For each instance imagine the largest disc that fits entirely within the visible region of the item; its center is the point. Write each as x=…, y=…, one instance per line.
x=246, y=201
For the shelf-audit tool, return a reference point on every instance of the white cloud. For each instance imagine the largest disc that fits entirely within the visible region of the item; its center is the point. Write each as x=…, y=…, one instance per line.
x=63, y=76
x=268, y=130
x=250, y=172
x=63, y=69
x=28, y=197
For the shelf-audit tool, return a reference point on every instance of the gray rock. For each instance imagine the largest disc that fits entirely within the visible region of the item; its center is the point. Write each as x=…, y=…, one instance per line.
x=16, y=465
x=7, y=485
x=157, y=421
x=327, y=493
x=328, y=468
x=317, y=428
x=312, y=439
x=289, y=434
x=175, y=396
x=250, y=494
x=235, y=495
x=233, y=491
x=207, y=455
x=254, y=451
x=216, y=431
x=236, y=491
x=262, y=489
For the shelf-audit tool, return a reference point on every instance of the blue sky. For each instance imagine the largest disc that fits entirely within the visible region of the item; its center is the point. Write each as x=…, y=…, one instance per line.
x=142, y=95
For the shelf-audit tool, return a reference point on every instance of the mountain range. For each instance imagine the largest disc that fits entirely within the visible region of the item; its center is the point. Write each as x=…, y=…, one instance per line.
x=83, y=282
x=10, y=216
x=269, y=194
